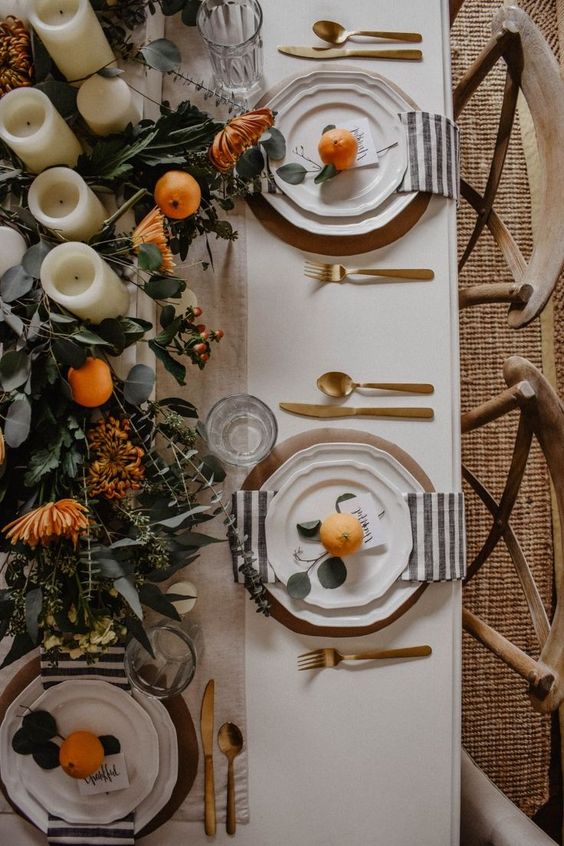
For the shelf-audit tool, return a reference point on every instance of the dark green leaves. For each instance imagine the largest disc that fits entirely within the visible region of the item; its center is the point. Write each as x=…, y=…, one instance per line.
x=110, y=72
x=127, y=589
x=274, y=144
x=111, y=744
x=328, y=172
x=293, y=173
x=139, y=384
x=153, y=597
x=250, y=164
x=332, y=573
x=33, y=258
x=298, y=585
x=33, y=606
x=18, y=422
x=328, y=128
x=309, y=530
x=61, y=94
x=15, y=368
x=150, y=257
x=21, y=742
x=46, y=755
x=342, y=498
x=162, y=55
x=68, y=352
x=15, y=283
x=39, y=726
x=163, y=287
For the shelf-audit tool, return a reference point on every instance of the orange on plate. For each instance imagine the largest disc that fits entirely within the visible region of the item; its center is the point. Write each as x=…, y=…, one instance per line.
x=338, y=147
x=177, y=194
x=91, y=384
x=341, y=534
x=81, y=754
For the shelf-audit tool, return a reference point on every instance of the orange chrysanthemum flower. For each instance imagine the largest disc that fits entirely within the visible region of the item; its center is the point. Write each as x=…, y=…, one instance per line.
x=151, y=230
x=238, y=134
x=64, y=519
x=16, y=64
x=116, y=468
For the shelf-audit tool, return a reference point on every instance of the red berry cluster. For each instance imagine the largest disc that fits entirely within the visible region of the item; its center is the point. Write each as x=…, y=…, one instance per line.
x=199, y=346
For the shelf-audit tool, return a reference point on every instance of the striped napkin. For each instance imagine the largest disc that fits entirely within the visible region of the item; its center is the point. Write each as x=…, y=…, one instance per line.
x=432, y=157
x=438, y=553
x=110, y=669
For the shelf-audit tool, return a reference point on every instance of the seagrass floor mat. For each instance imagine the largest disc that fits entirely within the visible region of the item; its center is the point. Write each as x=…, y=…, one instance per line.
x=506, y=738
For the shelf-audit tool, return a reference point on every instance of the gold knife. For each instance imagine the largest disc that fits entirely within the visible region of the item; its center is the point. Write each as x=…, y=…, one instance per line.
x=206, y=732
x=336, y=53
x=308, y=410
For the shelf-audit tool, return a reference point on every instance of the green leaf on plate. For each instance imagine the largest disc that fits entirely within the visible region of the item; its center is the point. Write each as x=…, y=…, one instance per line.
x=332, y=573
x=111, y=744
x=328, y=172
x=293, y=173
x=40, y=726
x=46, y=755
x=298, y=585
x=328, y=128
x=309, y=529
x=343, y=498
x=21, y=742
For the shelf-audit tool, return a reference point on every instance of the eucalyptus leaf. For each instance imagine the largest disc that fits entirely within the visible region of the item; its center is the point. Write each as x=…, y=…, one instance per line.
x=109, y=72
x=67, y=352
x=275, y=144
x=167, y=315
x=162, y=55
x=111, y=331
x=163, y=287
x=250, y=163
x=171, y=7
x=110, y=568
x=309, y=529
x=173, y=366
x=33, y=606
x=40, y=726
x=127, y=589
x=46, y=755
x=15, y=283
x=139, y=384
x=298, y=585
x=15, y=367
x=293, y=173
x=191, y=540
x=180, y=520
x=326, y=173
x=15, y=323
x=18, y=422
x=33, y=258
x=136, y=630
x=343, y=498
x=22, y=743
x=87, y=336
x=62, y=95
x=21, y=645
x=42, y=62
x=328, y=128
x=150, y=257
x=332, y=572
x=111, y=744
x=190, y=12
x=212, y=468
x=153, y=597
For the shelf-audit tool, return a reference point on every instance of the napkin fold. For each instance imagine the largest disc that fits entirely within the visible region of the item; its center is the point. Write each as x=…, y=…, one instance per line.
x=438, y=553
x=111, y=669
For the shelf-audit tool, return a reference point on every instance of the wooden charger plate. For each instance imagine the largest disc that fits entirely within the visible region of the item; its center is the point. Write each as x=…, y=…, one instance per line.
x=185, y=733
x=281, y=453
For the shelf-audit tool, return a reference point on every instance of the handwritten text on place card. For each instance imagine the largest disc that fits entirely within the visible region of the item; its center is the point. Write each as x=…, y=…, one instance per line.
x=111, y=775
x=365, y=509
x=367, y=151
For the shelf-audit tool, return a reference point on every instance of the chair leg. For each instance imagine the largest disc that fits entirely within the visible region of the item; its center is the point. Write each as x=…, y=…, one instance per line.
x=497, y=292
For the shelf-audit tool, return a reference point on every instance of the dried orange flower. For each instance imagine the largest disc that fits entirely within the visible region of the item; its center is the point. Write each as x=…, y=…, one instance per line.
x=151, y=230
x=65, y=518
x=16, y=65
x=116, y=467
x=236, y=136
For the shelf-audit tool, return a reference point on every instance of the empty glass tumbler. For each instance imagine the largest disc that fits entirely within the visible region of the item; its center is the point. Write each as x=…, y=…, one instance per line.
x=176, y=648
x=231, y=30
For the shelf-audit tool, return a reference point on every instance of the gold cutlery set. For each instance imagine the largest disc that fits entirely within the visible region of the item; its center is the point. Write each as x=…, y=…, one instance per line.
x=336, y=35
x=230, y=742
x=337, y=272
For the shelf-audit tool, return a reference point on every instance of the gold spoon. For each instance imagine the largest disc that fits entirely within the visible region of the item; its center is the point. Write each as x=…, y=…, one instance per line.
x=230, y=741
x=337, y=384
x=336, y=34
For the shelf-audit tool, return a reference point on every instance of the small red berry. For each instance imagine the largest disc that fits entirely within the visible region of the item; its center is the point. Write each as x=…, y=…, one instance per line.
x=204, y=357
x=219, y=333
x=197, y=311
x=201, y=327
x=200, y=348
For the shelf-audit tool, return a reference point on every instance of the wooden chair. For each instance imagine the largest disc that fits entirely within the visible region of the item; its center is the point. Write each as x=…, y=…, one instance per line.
x=542, y=416
x=532, y=69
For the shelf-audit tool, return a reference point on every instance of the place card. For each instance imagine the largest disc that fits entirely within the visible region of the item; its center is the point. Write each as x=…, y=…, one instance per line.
x=367, y=150
x=110, y=776
x=365, y=509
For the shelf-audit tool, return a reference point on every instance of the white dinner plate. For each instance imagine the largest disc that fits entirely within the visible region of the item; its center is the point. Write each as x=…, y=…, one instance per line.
x=310, y=494
x=324, y=97
x=357, y=221
x=157, y=752
x=401, y=591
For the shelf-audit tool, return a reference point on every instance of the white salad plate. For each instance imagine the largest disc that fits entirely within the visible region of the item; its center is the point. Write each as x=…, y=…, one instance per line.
x=359, y=200
x=311, y=494
x=401, y=591
x=149, y=745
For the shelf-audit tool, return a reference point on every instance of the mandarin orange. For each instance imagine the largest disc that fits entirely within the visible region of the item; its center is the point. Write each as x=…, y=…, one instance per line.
x=177, y=194
x=81, y=754
x=341, y=534
x=338, y=147
x=91, y=385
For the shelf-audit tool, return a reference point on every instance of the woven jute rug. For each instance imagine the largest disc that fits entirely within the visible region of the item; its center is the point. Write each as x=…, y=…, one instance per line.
x=506, y=738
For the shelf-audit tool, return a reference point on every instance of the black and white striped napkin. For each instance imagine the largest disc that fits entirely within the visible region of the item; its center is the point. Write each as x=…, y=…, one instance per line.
x=110, y=668
x=438, y=553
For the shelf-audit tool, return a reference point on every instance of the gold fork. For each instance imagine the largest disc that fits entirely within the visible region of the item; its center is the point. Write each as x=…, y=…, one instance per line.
x=329, y=657
x=337, y=272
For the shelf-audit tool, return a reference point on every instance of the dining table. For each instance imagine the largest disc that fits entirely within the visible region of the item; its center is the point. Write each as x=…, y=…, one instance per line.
x=360, y=754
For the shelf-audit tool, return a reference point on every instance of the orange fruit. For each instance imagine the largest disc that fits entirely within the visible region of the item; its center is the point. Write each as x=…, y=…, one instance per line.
x=81, y=754
x=91, y=384
x=177, y=194
x=341, y=534
x=338, y=147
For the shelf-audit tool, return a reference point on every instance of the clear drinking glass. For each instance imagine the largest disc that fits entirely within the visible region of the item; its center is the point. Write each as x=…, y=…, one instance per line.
x=176, y=648
x=241, y=430
x=231, y=32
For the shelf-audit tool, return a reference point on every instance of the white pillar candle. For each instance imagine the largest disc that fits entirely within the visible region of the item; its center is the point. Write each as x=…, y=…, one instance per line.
x=187, y=589
x=107, y=104
x=60, y=199
x=76, y=277
x=72, y=35
x=12, y=248
x=32, y=127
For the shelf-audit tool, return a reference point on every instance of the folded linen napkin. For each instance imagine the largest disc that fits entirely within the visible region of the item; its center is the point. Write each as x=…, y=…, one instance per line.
x=110, y=669
x=432, y=157
x=437, y=526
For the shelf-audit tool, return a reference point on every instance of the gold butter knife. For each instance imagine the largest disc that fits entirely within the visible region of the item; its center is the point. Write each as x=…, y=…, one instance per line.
x=313, y=410
x=336, y=53
x=206, y=732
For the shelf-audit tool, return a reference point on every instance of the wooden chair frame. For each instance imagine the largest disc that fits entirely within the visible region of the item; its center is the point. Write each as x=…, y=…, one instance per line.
x=531, y=68
x=542, y=415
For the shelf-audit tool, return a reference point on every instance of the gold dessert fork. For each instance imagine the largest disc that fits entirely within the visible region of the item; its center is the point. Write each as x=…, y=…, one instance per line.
x=336, y=272
x=321, y=658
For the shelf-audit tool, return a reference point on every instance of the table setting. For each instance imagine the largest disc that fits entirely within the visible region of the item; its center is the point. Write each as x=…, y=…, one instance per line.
x=219, y=570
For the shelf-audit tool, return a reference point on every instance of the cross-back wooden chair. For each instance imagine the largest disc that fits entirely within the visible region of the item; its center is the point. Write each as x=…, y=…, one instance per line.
x=541, y=416
x=531, y=68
